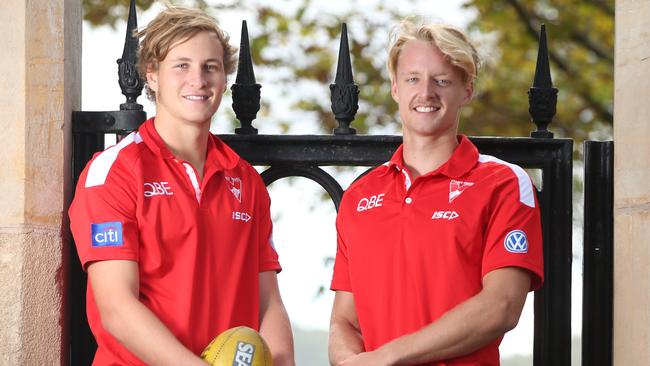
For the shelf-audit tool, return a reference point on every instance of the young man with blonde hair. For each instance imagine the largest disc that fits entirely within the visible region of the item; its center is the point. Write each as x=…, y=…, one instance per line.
x=172, y=226
x=438, y=247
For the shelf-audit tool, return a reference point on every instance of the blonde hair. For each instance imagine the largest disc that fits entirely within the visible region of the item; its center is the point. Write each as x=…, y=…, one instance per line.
x=451, y=41
x=174, y=24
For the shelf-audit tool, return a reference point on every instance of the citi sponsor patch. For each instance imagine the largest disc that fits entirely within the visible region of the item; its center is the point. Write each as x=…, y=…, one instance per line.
x=516, y=242
x=244, y=354
x=106, y=234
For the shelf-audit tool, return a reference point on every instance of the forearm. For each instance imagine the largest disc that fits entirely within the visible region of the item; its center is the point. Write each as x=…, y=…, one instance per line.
x=468, y=326
x=464, y=329
x=276, y=330
x=144, y=335
x=344, y=341
x=274, y=321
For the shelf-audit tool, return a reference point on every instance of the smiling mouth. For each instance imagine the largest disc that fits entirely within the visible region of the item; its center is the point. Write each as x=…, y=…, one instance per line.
x=427, y=109
x=196, y=97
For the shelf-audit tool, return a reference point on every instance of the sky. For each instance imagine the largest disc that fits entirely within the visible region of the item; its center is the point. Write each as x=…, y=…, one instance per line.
x=303, y=223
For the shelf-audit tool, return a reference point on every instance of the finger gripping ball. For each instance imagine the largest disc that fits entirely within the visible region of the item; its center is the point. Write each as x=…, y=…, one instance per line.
x=239, y=346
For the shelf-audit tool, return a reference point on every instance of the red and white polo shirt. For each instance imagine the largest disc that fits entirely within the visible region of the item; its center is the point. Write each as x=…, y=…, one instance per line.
x=409, y=251
x=200, y=246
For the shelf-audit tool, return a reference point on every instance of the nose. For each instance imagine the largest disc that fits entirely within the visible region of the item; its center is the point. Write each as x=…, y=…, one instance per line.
x=428, y=87
x=197, y=78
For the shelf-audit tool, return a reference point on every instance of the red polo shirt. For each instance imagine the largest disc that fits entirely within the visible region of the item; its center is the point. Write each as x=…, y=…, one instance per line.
x=409, y=251
x=199, y=245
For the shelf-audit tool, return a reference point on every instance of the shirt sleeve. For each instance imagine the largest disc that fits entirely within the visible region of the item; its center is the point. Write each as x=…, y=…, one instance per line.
x=103, y=216
x=514, y=235
x=341, y=275
x=268, y=256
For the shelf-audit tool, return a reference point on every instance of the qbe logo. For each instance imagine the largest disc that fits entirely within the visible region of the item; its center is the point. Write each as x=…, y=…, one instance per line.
x=157, y=189
x=106, y=234
x=244, y=354
x=516, y=242
x=370, y=202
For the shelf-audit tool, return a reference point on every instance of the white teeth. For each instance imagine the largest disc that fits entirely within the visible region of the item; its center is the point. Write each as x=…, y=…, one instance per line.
x=195, y=97
x=426, y=109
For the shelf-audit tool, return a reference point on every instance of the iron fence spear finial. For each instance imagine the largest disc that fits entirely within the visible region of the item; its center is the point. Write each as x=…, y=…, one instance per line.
x=542, y=96
x=345, y=93
x=245, y=91
x=129, y=79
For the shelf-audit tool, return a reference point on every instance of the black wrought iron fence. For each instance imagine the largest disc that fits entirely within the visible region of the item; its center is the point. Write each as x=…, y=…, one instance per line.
x=304, y=155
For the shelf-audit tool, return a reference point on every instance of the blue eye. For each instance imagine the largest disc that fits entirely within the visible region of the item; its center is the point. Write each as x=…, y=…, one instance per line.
x=442, y=82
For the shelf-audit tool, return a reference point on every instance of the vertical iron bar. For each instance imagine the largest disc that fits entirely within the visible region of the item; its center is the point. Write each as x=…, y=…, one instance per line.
x=82, y=342
x=345, y=93
x=597, y=292
x=552, y=340
x=542, y=96
x=245, y=91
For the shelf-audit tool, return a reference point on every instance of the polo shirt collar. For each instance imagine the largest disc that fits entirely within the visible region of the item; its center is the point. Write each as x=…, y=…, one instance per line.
x=219, y=155
x=463, y=159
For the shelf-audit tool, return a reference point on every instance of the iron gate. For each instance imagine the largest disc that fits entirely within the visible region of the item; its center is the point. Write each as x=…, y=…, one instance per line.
x=293, y=155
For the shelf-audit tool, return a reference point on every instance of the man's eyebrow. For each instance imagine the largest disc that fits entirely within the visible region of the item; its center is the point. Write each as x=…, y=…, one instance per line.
x=443, y=73
x=410, y=73
x=183, y=58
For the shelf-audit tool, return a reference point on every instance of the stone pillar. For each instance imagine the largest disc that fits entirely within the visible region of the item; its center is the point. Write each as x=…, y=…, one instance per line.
x=40, y=84
x=632, y=184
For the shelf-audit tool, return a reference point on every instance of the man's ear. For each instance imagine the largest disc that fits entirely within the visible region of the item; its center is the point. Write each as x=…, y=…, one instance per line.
x=469, y=92
x=152, y=78
x=393, y=89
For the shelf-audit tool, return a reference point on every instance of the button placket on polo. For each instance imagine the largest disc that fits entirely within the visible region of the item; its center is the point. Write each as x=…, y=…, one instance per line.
x=407, y=186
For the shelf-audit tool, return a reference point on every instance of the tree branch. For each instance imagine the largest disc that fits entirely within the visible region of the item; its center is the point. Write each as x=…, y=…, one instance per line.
x=603, y=5
x=562, y=64
x=582, y=39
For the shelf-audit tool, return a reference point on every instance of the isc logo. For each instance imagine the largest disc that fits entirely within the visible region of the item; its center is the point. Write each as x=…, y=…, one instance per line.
x=445, y=215
x=157, y=189
x=370, y=202
x=241, y=216
x=244, y=354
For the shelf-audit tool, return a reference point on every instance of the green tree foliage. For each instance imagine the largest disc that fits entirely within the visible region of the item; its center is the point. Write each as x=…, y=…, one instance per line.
x=298, y=45
x=581, y=48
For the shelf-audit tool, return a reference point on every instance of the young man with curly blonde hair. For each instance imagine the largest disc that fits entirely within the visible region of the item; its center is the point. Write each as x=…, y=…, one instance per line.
x=172, y=226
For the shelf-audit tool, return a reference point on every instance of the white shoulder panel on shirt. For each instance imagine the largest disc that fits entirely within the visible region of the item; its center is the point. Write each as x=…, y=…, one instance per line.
x=526, y=192
x=102, y=164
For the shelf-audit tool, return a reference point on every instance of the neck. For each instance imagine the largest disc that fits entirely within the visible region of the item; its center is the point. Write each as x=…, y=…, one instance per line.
x=426, y=154
x=187, y=141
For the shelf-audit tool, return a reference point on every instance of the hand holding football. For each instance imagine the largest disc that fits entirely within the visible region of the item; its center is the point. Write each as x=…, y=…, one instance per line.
x=239, y=346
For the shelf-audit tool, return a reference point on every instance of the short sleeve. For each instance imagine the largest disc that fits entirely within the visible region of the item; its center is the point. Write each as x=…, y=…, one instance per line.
x=103, y=216
x=341, y=275
x=513, y=234
x=268, y=256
